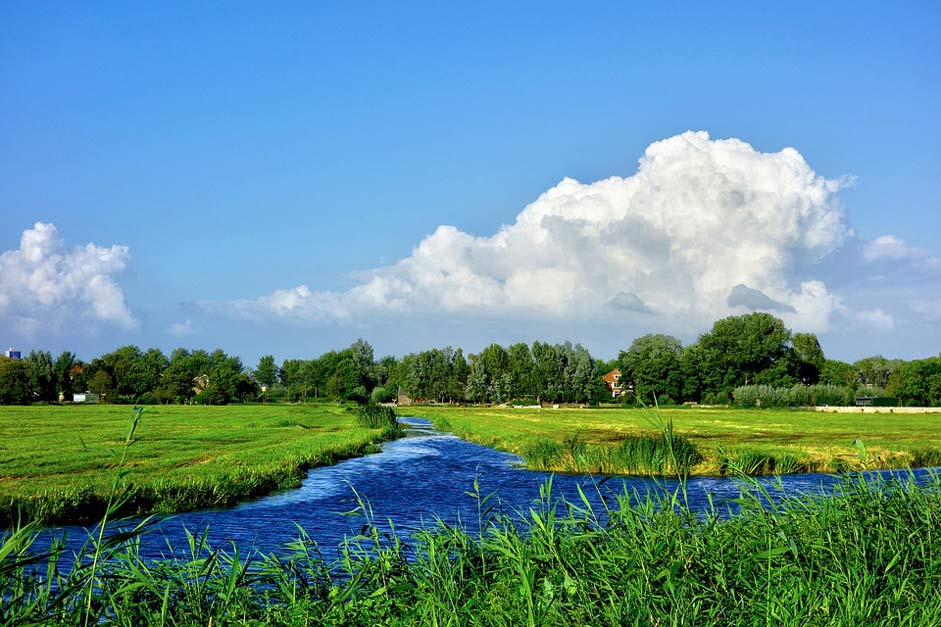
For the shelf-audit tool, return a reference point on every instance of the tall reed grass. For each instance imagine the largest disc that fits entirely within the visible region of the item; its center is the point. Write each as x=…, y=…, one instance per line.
x=868, y=555
x=665, y=454
x=373, y=416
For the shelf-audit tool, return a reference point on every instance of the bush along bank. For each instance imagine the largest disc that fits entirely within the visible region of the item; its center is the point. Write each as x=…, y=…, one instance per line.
x=758, y=396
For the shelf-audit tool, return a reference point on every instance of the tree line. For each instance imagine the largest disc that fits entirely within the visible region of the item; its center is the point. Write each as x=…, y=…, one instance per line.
x=739, y=351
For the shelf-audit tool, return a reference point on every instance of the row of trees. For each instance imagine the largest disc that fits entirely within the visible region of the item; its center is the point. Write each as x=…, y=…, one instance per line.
x=739, y=350
x=753, y=349
x=540, y=373
x=758, y=350
x=128, y=375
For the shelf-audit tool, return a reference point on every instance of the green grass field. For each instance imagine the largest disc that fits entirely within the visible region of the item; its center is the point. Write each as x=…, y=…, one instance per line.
x=753, y=441
x=57, y=463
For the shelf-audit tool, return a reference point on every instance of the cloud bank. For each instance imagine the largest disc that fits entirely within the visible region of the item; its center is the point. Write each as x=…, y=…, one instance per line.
x=704, y=228
x=44, y=284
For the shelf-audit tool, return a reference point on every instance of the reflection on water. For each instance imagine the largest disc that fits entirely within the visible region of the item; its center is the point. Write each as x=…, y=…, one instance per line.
x=411, y=482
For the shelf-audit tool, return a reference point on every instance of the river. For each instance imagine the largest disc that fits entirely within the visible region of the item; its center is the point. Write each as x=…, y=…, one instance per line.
x=411, y=482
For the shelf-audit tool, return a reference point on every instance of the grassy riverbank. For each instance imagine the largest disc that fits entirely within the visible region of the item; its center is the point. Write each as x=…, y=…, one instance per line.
x=624, y=441
x=870, y=555
x=55, y=461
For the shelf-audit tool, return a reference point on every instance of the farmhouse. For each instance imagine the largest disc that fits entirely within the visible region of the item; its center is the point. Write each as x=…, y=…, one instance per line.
x=613, y=381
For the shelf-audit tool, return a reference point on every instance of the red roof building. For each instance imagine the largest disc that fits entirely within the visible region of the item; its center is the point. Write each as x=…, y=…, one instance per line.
x=613, y=381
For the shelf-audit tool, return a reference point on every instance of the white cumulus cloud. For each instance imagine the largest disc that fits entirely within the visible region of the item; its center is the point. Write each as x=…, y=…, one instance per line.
x=44, y=283
x=702, y=229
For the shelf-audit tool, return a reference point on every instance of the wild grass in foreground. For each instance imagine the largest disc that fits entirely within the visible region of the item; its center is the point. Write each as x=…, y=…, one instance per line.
x=869, y=555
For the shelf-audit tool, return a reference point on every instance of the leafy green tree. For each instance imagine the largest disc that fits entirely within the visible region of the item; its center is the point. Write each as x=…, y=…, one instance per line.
x=228, y=382
x=836, y=372
x=520, y=369
x=738, y=348
x=178, y=382
x=119, y=365
x=580, y=375
x=477, y=389
x=144, y=372
x=383, y=370
x=457, y=378
x=488, y=370
x=362, y=361
x=63, y=369
x=917, y=382
x=381, y=395
x=810, y=355
x=78, y=376
x=692, y=387
x=548, y=372
x=42, y=377
x=14, y=382
x=875, y=371
x=653, y=365
x=336, y=386
x=266, y=373
x=101, y=383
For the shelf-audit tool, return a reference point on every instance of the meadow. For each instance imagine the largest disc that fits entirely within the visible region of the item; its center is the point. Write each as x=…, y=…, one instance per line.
x=705, y=441
x=56, y=461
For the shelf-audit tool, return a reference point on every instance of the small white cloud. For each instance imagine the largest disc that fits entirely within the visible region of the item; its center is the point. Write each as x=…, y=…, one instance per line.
x=886, y=246
x=43, y=283
x=875, y=319
x=889, y=247
x=181, y=329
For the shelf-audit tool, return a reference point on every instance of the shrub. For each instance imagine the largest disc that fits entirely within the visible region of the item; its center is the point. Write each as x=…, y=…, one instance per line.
x=381, y=395
x=796, y=396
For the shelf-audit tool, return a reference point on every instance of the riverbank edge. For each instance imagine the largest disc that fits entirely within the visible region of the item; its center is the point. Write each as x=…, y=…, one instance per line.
x=754, y=462
x=83, y=505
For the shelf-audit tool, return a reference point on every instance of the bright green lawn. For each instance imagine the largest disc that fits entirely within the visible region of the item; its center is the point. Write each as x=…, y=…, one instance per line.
x=57, y=462
x=817, y=441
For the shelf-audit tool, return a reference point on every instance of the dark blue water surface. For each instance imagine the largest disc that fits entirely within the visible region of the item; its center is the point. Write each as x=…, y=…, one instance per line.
x=411, y=482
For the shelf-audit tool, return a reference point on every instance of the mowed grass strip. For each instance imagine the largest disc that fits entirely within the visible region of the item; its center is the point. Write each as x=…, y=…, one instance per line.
x=57, y=463
x=729, y=440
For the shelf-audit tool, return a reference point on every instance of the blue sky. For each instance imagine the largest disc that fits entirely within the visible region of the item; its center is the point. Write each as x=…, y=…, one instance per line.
x=242, y=151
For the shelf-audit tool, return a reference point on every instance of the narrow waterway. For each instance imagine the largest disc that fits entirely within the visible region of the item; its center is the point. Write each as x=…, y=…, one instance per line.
x=423, y=476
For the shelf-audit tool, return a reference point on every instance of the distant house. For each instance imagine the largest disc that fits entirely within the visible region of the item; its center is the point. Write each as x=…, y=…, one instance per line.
x=403, y=400
x=613, y=381
x=13, y=354
x=87, y=397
